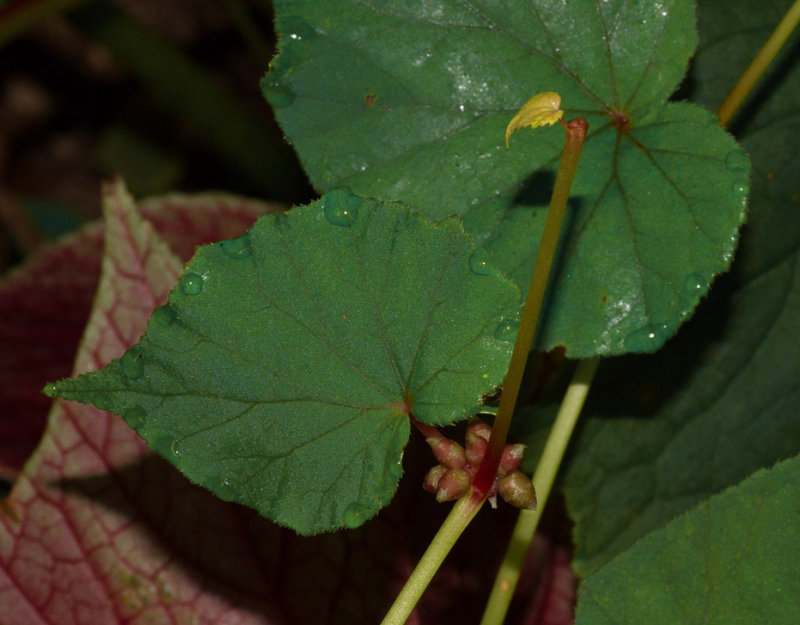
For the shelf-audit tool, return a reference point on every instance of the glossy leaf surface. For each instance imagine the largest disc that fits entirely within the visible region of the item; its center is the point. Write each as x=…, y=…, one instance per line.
x=733, y=559
x=410, y=102
x=282, y=371
x=720, y=401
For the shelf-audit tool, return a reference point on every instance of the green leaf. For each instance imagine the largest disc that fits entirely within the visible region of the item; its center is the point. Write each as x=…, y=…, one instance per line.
x=733, y=559
x=720, y=401
x=410, y=103
x=282, y=370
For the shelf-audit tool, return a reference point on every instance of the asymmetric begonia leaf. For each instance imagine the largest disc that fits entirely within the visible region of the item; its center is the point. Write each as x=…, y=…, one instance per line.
x=99, y=531
x=283, y=368
x=720, y=401
x=410, y=102
x=733, y=559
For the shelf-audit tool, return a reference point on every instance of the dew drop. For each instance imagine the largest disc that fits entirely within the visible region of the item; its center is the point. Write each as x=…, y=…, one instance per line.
x=737, y=161
x=175, y=448
x=132, y=364
x=694, y=284
x=222, y=487
x=506, y=330
x=164, y=316
x=648, y=338
x=160, y=441
x=101, y=401
x=480, y=263
x=237, y=249
x=740, y=189
x=191, y=283
x=355, y=514
x=135, y=417
x=277, y=95
x=341, y=208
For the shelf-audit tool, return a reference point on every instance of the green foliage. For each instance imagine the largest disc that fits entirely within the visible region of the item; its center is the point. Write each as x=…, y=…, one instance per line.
x=419, y=115
x=720, y=400
x=284, y=369
x=281, y=372
x=733, y=559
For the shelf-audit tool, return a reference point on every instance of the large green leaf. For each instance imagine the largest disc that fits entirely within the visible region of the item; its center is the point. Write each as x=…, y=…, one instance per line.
x=409, y=101
x=720, y=400
x=731, y=560
x=283, y=368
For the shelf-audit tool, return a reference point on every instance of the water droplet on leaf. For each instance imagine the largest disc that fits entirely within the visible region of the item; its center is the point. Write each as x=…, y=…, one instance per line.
x=191, y=283
x=237, y=249
x=222, y=487
x=132, y=364
x=648, y=338
x=277, y=95
x=135, y=417
x=737, y=161
x=175, y=448
x=355, y=514
x=101, y=401
x=164, y=316
x=740, y=189
x=694, y=284
x=480, y=263
x=341, y=208
x=507, y=330
x=160, y=441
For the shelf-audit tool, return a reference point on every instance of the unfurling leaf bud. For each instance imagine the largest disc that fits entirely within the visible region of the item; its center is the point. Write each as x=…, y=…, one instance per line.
x=543, y=109
x=447, y=452
x=517, y=489
x=453, y=485
x=431, y=483
x=510, y=460
x=478, y=429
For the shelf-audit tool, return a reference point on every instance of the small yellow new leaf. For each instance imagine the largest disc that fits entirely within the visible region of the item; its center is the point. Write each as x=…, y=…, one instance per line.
x=543, y=109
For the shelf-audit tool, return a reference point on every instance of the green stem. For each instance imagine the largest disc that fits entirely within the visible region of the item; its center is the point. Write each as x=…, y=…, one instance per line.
x=456, y=522
x=576, y=133
x=466, y=507
x=543, y=478
x=759, y=64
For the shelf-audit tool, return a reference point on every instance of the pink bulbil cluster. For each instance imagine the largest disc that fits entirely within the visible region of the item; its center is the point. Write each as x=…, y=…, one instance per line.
x=453, y=476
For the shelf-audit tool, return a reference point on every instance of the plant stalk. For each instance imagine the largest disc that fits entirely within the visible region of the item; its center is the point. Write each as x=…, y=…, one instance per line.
x=543, y=479
x=454, y=525
x=576, y=134
x=759, y=64
x=467, y=507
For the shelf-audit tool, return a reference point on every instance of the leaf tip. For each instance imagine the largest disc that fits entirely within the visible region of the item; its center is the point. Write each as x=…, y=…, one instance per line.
x=543, y=109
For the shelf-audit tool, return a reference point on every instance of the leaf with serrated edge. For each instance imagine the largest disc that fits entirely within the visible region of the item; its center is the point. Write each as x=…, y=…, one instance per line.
x=409, y=102
x=282, y=371
x=720, y=400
